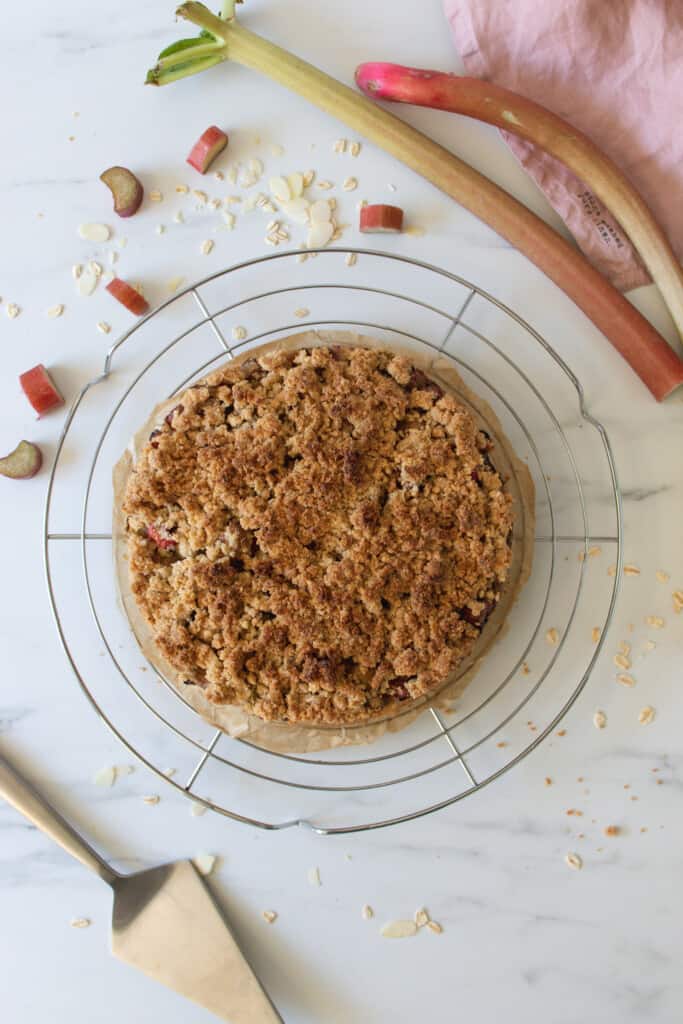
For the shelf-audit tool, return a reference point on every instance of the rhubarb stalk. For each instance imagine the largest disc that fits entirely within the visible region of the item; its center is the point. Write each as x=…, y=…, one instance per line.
x=496, y=105
x=638, y=342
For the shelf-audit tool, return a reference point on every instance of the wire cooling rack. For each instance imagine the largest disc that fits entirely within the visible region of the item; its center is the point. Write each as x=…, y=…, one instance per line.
x=525, y=685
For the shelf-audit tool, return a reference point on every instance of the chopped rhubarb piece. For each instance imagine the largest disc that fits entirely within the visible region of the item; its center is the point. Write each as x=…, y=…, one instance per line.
x=207, y=147
x=380, y=218
x=161, y=538
x=126, y=189
x=23, y=463
x=40, y=390
x=128, y=296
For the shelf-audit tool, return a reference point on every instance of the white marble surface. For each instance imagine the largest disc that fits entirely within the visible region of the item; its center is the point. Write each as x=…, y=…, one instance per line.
x=525, y=938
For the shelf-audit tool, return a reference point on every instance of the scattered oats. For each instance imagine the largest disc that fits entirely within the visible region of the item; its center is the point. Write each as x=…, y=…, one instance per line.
x=94, y=232
x=646, y=715
x=206, y=247
x=351, y=259
x=170, y=772
x=548, y=781
x=229, y=220
x=319, y=235
x=340, y=146
x=325, y=185
x=270, y=916
x=435, y=927
x=233, y=171
x=649, y=645
x=80, y=922
x=333, y=204
x=160, y=228
x=279, y=187
x=600, y=720
x=552, y=636
x=502, y=744
x=255, y=167
x=656, y=621
x=355, y=148
x=179, y=217
x=276, y=149
x=595, y=634
x=296, y=184
x=215, y=204
x=239, y=333
x=314, y=876
x=152, y=799
x=594, y=551
x=103, y=327
x=301, y=257
x=336, y=234
x=414, y=230
x=105, y=776
x=182, y=189
x=525, y=669
x=197, y=809
x=677, y=598
x=262, y=201
x=76, y=271
x=398, y=929
x=55, y=311
x=270, y=240
x=624, y=648
x=643, y=829
x=631, y=570
x=204, y=863
x=95, y=268
x=621, y=661
x=421, y=917
x=611, y=570
x=155, y=195
x=112, y=256
x=301, y=312
x=625, y=679
x=13, y=310
x=367, y=913
x=662, y=577
x=308, y=178
x=350, y=184
x=199, y=195
x=392, y=188
x=174, y=284
x=574, y=861
x=282, y=234
x=561, y=732
x=218, y=175
x=611, y=830
x=268, y=206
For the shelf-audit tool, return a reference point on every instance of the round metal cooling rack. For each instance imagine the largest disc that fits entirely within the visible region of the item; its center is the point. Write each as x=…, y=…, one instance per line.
x=539, y=663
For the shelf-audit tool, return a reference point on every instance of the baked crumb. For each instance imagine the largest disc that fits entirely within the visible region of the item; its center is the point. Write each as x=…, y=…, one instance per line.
x=317, y=535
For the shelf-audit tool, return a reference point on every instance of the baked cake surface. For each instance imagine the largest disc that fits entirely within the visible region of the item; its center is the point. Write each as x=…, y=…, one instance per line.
x=317, y=535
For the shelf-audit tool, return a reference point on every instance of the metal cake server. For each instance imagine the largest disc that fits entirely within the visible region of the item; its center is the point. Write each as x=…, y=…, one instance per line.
x=164, y=922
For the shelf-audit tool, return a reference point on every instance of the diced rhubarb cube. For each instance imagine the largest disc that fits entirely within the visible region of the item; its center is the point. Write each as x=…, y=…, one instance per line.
x=40, y=390
x=380, y=218
x=207, y=147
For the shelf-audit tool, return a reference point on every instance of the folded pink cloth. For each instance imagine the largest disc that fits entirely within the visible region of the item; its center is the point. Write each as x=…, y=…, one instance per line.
x=615, y=70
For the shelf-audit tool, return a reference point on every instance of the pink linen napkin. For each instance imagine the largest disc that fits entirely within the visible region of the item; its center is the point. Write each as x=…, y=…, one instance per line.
x=615, y=70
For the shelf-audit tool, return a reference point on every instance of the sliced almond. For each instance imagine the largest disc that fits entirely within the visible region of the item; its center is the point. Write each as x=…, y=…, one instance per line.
x=435, y=927
x=646, y=715
x=350, y=184
x=94, y=232
x=87, y=282
x=103, y=327
x=279, y=188
x=309, y=177
x=398, y=929
x=174, y=284
x=297, y=210
x=340, y=146
x=204, y=863
x=255, y=166
x=355, y=148
x=55, y=311
x=239, y=333
x=600, y=720
x=573, y=860
x=611, y=570
x=631, y=570
x=320, y=212
x=351, y=259
x=105, y=776
x=314, y=876
x=182, y=189
x=421, y=917
x=197, y=809
x=319, y=235
x=677, y=599
x=621, y=661
x=367, y=912
x=206, y=247
x=200, y=196
x=152, y=799
x=296, y=184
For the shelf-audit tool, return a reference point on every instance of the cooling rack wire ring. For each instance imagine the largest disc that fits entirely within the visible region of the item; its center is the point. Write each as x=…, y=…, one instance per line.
x=443, y=733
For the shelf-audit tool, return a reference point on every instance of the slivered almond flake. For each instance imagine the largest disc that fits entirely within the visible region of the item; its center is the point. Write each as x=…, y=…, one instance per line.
x=355, y=148
x=621, y=661
x=270, y=916
x=600, y=720
x=351, y=259
x=103, y=327
x=421, y=917
x=646, y=715
x=324, y=185
x=239, y=333
x=631, y=570
x=155, y=195
x=552, y=636
x=656, y=621
x=595, y=634
x=435, y=927
x=204, y=863
x=105, y=776
x=314, y=877
x=152, y=799
x=301, y=312
x=573, y=860
x=55, y=311
x=662, y=577
x=80, y=922
x=94, y=232
x=625, y=679
x=367, y=913
x=206, y=247
x=350, y=184
x=398, y=929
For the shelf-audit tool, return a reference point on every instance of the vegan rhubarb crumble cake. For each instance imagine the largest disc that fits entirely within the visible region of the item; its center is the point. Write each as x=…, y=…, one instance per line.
x=317, y=535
